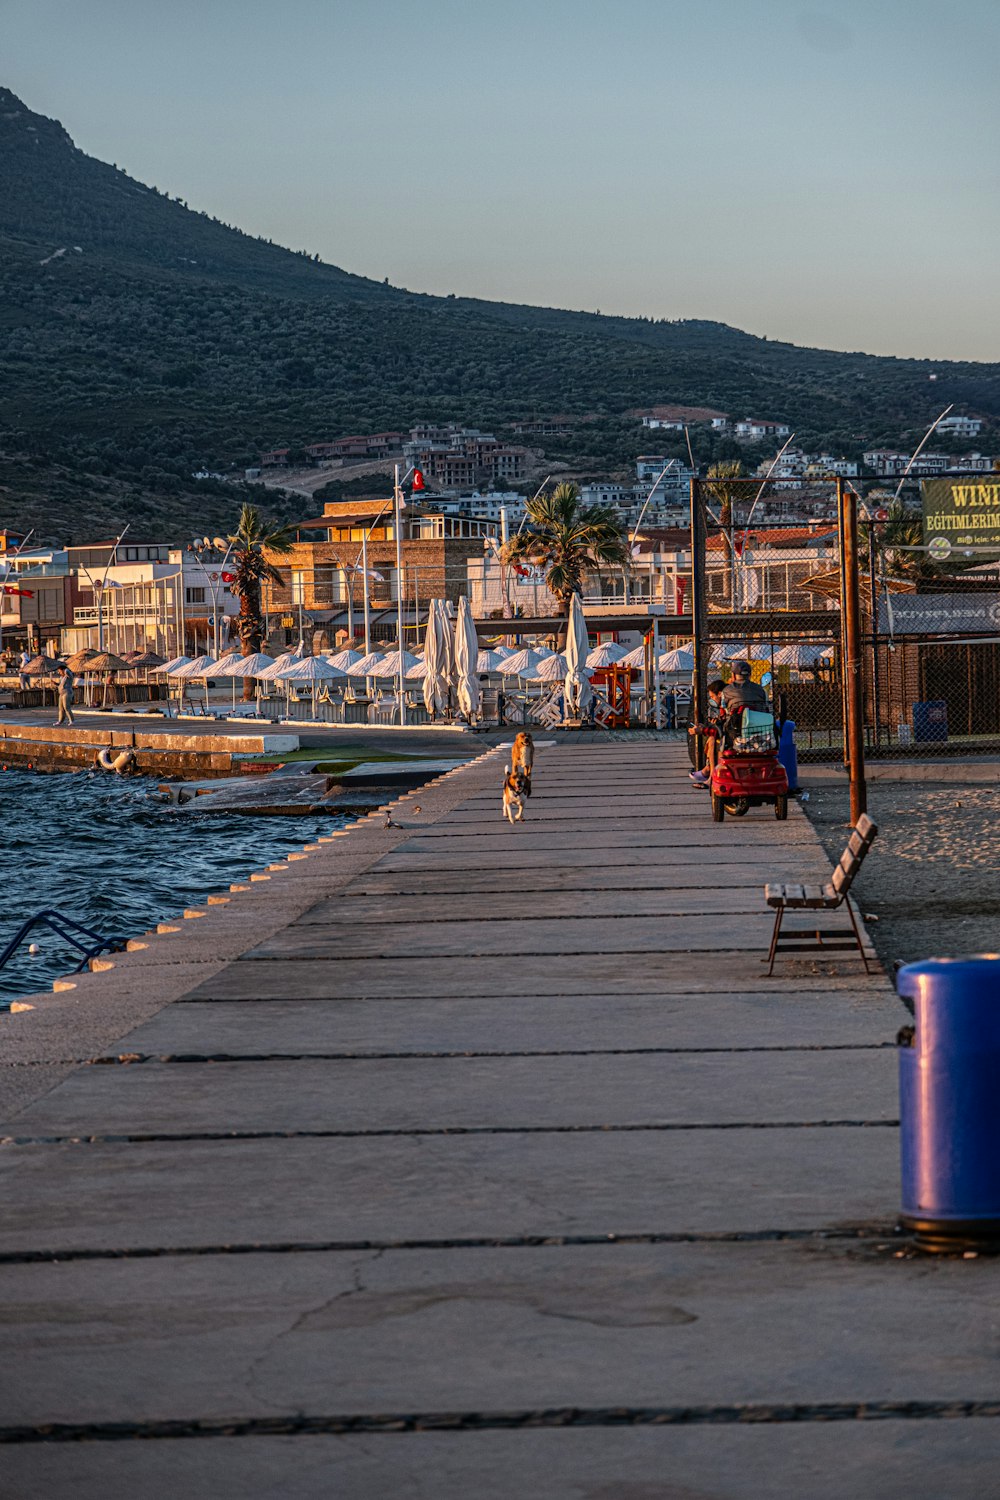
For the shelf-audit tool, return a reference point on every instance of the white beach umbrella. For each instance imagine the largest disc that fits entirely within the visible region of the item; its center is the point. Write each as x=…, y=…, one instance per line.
x=417, y=672
x=368, y=666
x=345, y=659
x=578, y=692
x=635, y=657
x=389, y=665
x=802, y=655
x=728, y=652
x=201, y=666
x=466, y=661
x=311, y=669
x=280, y=662
x=522, y=664
x=437, y=660
x=678, y=660
x=605, y=655
x=171, y=665
x=489, y=661
x=552, y=669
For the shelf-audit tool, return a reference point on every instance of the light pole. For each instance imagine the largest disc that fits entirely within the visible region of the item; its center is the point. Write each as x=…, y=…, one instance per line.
x=203, y=548
x=6, y=574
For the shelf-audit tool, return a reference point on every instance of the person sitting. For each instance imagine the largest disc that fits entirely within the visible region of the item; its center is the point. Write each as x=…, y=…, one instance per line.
x=711, y=732
x=742, y=692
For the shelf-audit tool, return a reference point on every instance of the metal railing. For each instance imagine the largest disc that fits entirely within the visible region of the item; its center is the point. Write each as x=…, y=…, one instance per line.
x=68, y=929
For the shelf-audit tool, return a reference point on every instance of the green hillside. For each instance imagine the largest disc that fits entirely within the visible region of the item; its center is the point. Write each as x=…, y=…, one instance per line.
x=140, y=340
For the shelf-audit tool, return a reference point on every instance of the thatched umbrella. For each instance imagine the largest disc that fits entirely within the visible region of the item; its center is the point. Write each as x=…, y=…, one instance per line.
x=106, y=662
x=80, y=660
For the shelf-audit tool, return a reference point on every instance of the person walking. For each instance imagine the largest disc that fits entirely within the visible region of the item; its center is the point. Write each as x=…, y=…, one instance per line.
x=65, y=696
x=23, y=678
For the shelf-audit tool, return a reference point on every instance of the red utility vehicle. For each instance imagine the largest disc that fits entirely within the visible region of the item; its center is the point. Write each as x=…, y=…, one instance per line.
x=748, y=773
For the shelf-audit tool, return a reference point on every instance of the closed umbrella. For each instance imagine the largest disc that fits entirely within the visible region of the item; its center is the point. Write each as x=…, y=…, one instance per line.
x=466, y=661
x=578, y=691
x=437, y=652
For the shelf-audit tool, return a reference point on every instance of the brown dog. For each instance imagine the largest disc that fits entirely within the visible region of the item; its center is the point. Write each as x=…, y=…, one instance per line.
x=522, y=758
x=514, y=793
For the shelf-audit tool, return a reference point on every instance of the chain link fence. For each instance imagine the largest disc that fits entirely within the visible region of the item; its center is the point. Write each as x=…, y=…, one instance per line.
x=772, y=586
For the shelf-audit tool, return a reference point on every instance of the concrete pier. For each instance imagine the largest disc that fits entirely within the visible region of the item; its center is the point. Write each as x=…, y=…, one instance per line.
x=460, y=1160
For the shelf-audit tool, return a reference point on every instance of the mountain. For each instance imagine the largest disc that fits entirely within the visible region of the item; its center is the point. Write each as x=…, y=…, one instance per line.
x=141, y=341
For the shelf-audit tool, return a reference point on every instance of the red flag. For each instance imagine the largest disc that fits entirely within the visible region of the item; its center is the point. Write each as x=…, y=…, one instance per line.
x=229, y=577
x=418, y=480
x=9, y=588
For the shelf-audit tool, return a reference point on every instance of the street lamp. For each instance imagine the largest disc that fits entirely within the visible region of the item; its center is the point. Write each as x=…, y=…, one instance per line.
x=205, y=548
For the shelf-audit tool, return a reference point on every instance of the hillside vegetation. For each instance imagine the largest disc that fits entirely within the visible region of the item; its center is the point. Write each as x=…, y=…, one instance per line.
x=140, y=341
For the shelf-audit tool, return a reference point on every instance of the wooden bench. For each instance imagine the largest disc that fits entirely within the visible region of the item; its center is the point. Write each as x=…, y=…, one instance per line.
x=829, y=897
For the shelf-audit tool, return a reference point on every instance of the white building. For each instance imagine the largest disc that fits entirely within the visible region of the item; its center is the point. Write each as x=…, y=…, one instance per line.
x=961, y=426
x=756, y=430
x=159, y=598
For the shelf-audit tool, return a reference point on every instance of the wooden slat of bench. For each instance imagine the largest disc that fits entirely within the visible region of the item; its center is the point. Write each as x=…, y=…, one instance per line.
x=814, y=897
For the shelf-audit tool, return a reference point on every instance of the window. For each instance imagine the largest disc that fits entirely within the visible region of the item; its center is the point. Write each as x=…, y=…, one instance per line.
x=194, y=596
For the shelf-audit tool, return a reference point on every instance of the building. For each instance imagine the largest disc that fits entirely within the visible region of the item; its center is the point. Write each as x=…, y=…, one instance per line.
x=36, y=596
x=757, y=430
x=671, y=479
x=544, y=426
x=455, y=458
x=674, y=418
x=961, y=426
x=377, y=445
x=147, y=596
x=885, y=463
x=325, y=584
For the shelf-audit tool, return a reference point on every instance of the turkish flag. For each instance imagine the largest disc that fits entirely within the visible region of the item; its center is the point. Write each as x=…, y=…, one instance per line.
x=418, y=480
x=24, y=593
x=229, y=577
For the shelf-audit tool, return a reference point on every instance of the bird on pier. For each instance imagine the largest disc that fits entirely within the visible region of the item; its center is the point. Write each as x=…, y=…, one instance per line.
x=389, y=823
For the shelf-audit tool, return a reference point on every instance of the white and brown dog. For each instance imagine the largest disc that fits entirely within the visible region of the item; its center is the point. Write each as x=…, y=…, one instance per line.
x=522, y=758
x=515, y=789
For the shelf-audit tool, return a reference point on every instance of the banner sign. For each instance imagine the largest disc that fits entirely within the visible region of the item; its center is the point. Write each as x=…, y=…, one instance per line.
x=962, y=512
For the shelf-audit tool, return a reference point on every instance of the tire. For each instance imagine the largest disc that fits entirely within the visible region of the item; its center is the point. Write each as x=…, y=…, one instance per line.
x=718, y=809
x=738, y=807
x=781, y=807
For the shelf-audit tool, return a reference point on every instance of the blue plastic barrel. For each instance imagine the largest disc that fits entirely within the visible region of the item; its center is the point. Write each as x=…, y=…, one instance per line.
x=789, y=755
x=949, y=1100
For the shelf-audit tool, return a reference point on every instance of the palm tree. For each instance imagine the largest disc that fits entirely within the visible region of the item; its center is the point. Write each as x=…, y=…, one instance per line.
x=569, y=540
x=902, y=530
x=724, y=486
x=252, y=538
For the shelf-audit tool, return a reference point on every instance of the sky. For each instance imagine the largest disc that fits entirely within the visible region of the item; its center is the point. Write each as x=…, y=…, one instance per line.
x=824, y=174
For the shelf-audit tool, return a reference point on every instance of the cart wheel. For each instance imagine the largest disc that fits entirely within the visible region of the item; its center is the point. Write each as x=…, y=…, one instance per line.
x=738, y=807
x=781, y=807
x=718, y=809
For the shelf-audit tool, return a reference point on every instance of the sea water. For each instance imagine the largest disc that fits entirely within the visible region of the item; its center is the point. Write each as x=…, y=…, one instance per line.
x=109, y=852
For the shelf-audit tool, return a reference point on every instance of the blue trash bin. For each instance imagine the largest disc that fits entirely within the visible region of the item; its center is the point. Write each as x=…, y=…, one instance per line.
x=949, y=1101
x=930, y=720
x=789, y=755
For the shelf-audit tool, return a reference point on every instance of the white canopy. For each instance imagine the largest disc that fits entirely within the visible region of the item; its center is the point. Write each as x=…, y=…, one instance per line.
x=606, y=655
x=201, y=666
x=310, y=669
x=345, y=659
x=248, y=666
x=389, y=665
x=489, y=661
x=172, y=665
x=522, y=664
x=802, y=655
x=678, y=660
x=552, y=669
x=368, y=666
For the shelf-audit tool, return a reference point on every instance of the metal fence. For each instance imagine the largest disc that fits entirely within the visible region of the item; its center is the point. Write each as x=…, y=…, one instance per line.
x=770, y=577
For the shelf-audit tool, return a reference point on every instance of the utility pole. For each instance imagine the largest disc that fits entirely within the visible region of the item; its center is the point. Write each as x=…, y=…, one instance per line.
x=698, y=612
x=847, y=506
x=397, y=499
